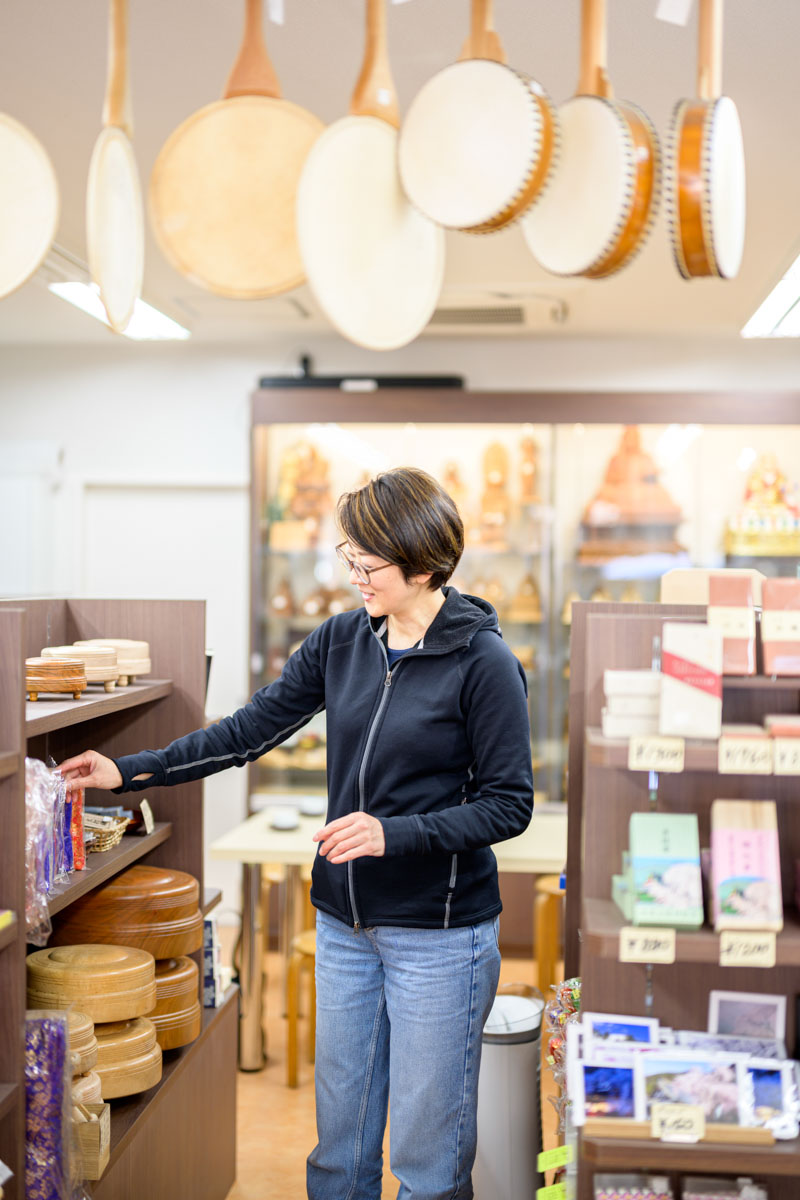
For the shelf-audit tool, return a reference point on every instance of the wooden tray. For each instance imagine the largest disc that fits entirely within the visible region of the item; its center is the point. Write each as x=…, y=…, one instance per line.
x=154, y=908
x=177, y=1015
x=108, y=983
x=128, y=1057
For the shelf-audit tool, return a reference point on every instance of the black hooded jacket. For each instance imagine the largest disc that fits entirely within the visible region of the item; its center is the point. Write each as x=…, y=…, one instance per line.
x=437, y=748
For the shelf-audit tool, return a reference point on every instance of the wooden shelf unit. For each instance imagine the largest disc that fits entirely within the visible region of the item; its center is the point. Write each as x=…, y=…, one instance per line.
x=603, y=794
x=181, y=1136
x=8, y=933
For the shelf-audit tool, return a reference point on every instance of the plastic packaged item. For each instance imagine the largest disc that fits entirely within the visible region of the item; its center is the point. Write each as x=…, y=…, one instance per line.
x=39, y=789
x=562, y=1009
x=632, y=1187
x=47, y=1107
x=699, y=1187
x=76, y=831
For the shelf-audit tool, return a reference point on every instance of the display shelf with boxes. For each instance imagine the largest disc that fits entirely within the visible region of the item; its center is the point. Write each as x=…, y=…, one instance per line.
x=154, y=1150
x=605, y=794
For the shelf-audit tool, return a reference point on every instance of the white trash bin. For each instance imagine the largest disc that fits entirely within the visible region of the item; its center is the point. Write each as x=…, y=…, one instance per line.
x=509, y=1105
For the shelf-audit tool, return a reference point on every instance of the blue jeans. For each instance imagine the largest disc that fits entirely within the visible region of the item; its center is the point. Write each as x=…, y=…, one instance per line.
x=399, y=1011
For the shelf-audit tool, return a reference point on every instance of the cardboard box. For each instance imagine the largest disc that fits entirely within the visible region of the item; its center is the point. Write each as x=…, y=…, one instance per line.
x=731, y=610
x=780, y=627
x=691, y=680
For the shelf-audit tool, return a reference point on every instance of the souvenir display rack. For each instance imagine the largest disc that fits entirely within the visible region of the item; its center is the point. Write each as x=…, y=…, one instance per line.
x=178, y=1138
x=603, y=793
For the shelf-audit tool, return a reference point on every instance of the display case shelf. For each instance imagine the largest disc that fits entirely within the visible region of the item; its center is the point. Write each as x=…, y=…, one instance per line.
x=8, y=1095
x=46, y=715
x=9, y=763
x=647, y=1154
x=101, y=865
x=8, y=933
x=759, y=683
x=613, y=752
x=602, y=922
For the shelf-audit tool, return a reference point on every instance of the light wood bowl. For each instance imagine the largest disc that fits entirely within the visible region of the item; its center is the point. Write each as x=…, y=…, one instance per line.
x=108, y=983
x=128, y=1057
x=177, y=1015
x=154, y=908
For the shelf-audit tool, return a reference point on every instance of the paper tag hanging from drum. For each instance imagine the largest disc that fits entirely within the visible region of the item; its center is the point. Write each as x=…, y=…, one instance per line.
x=276, y=13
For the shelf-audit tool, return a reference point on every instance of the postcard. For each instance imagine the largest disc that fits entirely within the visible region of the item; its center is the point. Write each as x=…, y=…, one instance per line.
x=731, y=1043
x=774, y=1096
x=718, y=1085
x=607, y=1090
x=748, y=1014
x=612, y=1029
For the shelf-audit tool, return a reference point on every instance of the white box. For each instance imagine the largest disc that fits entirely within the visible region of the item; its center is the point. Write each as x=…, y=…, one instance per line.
x=633, y=706
x=631, y=683
x=691, y=680
x=627, y=726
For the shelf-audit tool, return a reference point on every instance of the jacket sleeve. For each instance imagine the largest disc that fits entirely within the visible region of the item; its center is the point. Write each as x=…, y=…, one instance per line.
x=494, y=704
x=271, y=716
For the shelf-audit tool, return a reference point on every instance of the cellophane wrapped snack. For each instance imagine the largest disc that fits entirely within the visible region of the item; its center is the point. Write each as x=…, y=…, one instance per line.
x=565, y=1006
x=40, y=787
x=76, y=830
x=48, y=1166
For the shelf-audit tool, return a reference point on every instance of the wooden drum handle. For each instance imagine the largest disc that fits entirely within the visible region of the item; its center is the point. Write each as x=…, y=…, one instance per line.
x=594, y=79
x=117, y=106
x=375, y=94
x=253, y=73
x=709, y=53
x=483, y=42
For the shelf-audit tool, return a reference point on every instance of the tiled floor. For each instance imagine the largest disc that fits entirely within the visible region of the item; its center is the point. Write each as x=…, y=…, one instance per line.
x=276, y=1128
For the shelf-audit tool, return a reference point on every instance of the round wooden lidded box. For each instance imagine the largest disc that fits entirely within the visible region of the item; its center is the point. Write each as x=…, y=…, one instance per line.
x=82, y=1042
x=153, y=908
x=108, y=983
x=54, y=675
x=177, y=1015
x=128, y=1057
x=133, y=657
x=87, y=1089
x=100, y=662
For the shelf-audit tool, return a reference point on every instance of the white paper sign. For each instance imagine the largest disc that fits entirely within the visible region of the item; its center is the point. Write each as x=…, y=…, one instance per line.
x=650, y=753
x=787, y=755
x=744, y=948
x=640, y=945
x=744, y=755
x=678, y=1122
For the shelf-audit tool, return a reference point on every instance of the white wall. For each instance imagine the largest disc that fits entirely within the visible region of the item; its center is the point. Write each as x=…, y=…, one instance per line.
x=149, y=495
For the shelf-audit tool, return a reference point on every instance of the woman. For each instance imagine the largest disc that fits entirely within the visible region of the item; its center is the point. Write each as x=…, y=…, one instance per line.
x=428, y=765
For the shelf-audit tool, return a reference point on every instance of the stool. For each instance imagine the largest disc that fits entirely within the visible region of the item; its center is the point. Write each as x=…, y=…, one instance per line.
x=304, y=949
x=547, y=925
x=272, y=875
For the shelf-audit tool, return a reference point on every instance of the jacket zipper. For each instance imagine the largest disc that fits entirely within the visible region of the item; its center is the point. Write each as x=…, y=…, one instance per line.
x=362, y=771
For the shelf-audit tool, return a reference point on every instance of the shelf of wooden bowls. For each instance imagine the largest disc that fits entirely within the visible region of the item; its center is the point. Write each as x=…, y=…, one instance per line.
x=82, y=1042
x=177, y=1015
x=100, y=662
x=128, y=1057
x=154, y=908
x=58, y=676
x=87, y=1089
x=133, y=657
x=108, y=983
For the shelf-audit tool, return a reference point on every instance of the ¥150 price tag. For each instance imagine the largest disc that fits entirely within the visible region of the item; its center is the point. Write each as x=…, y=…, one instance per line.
x=787, y=756
x=549, y=1160
x=678, y=1122
x=743, y=948
x=744, y=756
x=656, y=754
x=556, y=1191
x=641, y=945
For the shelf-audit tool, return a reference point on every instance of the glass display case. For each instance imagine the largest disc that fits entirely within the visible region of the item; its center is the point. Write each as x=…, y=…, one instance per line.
x=554, y=511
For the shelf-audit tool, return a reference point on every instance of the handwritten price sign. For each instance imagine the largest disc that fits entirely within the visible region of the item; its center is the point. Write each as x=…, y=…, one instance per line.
x=787, y=756
x=640, y=945
x=549, y=1160
x=556, y=1191
x=740, y=948
x=656, y=754
x=744, y=756
x=678, y=1122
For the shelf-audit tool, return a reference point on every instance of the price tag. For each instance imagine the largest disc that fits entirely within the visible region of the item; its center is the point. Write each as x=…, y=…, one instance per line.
x=678, y=1122
x=744, y=948
x=641, y=945
x=550, y=1160
x=732, y=621
x=656, y=754
x=556, y=1191
x=787, y=755
x=744, y=755
x=780, y=625
x=147, y=816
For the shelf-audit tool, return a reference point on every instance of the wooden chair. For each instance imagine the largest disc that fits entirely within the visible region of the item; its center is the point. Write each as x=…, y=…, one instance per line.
x=547, y=928
x=303, y=955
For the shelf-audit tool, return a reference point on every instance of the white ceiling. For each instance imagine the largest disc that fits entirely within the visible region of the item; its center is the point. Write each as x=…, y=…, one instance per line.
x=52, y=78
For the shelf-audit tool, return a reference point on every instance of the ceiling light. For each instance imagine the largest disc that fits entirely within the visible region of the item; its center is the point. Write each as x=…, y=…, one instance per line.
x=779, y=313
x=146, y=324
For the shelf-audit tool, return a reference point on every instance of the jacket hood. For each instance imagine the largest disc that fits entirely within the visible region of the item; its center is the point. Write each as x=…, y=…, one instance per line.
x=456, y=623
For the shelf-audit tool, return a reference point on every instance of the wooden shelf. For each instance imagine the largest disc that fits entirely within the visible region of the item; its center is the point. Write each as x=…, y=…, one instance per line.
x=8, y=1095
x=8, y=933
x=628, y=1154
x=613, y=752
x=126, y=1113
x=47, y=714
x=602, y=921
x=9, y=763
x=101, y=865
x=211, y=898
x=759, y=683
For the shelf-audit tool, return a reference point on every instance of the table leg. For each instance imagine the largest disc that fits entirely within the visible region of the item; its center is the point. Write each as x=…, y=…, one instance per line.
x=252, y=1039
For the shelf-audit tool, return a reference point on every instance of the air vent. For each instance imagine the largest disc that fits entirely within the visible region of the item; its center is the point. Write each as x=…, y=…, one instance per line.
x=509, y=314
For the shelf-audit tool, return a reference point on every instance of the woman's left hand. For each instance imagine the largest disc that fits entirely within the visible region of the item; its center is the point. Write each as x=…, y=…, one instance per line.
x=355, y=836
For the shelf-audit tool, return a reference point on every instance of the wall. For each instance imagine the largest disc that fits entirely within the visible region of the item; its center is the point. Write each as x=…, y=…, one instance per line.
x=141, y=456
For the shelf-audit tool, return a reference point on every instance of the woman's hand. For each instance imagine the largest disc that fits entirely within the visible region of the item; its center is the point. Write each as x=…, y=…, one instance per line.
x=90, y=770
x=358, y=835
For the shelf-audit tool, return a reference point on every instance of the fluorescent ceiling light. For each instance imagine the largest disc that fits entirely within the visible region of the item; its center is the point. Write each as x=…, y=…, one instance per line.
x=146, y=324
x=779, y=314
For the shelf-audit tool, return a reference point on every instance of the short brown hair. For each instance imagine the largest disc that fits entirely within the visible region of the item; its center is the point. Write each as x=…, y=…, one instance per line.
x=406, y=517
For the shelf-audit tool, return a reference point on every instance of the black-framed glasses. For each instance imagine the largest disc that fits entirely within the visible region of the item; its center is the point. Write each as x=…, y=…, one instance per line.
x=361, y=573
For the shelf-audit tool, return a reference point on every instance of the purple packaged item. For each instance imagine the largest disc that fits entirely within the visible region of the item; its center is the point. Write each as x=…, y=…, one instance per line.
x=47, y=1126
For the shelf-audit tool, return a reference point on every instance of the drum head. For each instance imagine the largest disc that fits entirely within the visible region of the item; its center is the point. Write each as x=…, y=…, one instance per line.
x=470, y=142
x=115, y=226
x=223, y=193
x=374, y=263
x=28, y=204
x=725, y=200
x=588, y=197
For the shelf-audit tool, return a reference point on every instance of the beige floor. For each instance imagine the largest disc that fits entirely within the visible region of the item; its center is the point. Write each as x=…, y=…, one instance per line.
x=276, y=1128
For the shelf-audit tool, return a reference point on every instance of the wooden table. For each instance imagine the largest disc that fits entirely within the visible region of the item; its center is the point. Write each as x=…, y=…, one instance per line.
x=541, y=849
